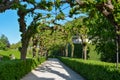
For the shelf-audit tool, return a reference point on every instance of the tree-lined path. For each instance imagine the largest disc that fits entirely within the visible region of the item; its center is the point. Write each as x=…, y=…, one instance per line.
x=52, y=69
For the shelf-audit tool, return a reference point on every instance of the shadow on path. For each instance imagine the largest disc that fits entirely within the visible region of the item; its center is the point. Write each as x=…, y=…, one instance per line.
x=52, y=69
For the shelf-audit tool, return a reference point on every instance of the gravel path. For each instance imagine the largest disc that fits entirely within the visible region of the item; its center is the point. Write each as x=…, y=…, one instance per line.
x=52, y=69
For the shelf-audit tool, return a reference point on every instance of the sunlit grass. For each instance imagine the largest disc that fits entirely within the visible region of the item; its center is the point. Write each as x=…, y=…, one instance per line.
x=14, y=52
x=7, y=53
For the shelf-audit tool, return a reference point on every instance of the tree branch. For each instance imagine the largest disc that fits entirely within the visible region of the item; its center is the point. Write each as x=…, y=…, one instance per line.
x=7, y=4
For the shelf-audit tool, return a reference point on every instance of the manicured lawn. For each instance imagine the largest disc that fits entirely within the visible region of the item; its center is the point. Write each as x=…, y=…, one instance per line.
x=16, y=53
x=7, y=53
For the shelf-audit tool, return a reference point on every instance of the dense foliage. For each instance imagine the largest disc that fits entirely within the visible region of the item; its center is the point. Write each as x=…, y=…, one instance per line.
x=78, y=29
x=99, y=31
x=101, y=22
x=101, y=12
x=16, y=69
x=102, y=35
x=15, y=45
x=50, y=42
x=97, y=9
x=4, y=42
x=93, y=70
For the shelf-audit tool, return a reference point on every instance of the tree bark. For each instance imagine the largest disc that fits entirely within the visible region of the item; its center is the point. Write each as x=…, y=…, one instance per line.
x=106, y=9
x=35, y=41
x=72, y=52
x=24, y=47
x=66, y=50
x=84, y=47
x=7, y=4
x=27, y=33
x=85, y=51
x=46, y=54
x=117, y=40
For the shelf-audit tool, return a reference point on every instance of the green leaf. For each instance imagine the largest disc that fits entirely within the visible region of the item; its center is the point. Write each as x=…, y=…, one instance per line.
x=48, y=15
x=31, y=1
x=60, y=16
x=57, y=3
x=15, y=6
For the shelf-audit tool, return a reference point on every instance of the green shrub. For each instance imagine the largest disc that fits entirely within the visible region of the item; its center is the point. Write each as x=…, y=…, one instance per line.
x=93, y=70
x=16, y=69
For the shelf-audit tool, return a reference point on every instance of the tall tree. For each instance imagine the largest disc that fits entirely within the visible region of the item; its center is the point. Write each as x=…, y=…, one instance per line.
x=68, y=32
x=4, y=42
x=23, y=10
x=78, y=29
x=108, y=8
x=102, y=34
x=27, y=33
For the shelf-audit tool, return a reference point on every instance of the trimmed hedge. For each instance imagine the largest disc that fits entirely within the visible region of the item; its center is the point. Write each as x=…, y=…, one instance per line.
x=16, y=69
x=93, y=70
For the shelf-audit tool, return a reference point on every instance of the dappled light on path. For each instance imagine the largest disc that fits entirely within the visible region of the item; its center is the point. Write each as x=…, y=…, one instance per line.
x=52, y=69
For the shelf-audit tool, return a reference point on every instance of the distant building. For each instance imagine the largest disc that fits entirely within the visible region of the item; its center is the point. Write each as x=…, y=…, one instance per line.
x=77, y=40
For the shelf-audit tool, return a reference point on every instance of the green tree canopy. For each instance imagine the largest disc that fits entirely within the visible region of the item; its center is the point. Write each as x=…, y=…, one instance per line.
x=4, y=42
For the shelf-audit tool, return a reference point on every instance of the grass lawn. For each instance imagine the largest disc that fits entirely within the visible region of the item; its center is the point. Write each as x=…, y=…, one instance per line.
x=7, y=53
x=16, y=53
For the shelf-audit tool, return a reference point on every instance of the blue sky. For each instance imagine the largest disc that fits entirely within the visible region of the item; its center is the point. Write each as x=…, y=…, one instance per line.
x=9, y=26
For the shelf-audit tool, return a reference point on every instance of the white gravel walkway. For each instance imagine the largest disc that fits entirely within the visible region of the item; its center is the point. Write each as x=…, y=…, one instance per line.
x=52, y=69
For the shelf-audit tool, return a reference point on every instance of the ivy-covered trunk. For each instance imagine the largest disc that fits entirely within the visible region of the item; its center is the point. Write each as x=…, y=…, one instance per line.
x=24, y=40
x=23, y=50
x=35, y=41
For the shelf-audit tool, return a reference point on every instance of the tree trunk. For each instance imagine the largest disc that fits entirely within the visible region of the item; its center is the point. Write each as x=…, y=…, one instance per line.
x=46, y=54
x=85, y=52
x=34, y=51
x=107, y=10
x=66, y=50
x=63, y=51
x=24, y=39
x=24, y=47
x=84, y=47
x=72, y=52
x=23, y=53
x=82, y=51
x=117, y=53
x=117, y=46
x=35, y=41
x=108, y=13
